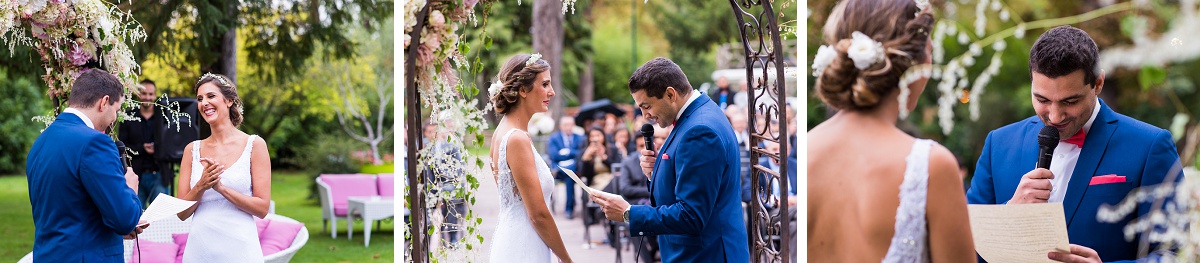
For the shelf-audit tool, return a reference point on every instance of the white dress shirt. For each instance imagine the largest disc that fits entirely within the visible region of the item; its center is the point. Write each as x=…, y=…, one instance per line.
x=1066, y=155
x=695, y=95
x=85, y=118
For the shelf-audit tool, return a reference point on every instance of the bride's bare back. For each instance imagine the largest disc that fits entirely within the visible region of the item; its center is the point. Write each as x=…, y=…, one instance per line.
x=855, y=168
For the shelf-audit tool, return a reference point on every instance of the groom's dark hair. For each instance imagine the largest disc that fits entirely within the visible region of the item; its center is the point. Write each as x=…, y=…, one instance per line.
x=91, y=86
x=1063, y=50
x=656, y=75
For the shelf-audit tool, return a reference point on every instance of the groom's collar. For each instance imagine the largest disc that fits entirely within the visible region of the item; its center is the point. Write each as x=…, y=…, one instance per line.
x=692, y=98
x=87, y=121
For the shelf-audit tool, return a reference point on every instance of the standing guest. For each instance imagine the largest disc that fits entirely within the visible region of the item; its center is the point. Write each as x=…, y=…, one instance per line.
x=82, y=204
x=139, y=135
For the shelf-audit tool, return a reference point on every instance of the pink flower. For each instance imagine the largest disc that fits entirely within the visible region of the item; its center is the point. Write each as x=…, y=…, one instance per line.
x=425, y=54
x=470, y=3
x=78, y=55
x=436, y=18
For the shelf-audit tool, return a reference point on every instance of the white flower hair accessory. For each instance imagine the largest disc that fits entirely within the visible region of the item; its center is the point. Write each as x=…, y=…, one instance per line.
x=922, y=4
x=864, y=51
x=495, y=88
x=210, y=75
x=825, y=56
x=533, y=59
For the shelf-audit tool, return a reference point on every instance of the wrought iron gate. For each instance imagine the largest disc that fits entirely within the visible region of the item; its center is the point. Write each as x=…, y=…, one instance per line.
x=769, y=217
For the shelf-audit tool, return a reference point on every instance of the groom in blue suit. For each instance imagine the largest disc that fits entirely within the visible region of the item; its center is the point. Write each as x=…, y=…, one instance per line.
x=695, y=185
x=1102, y=155
x=83, y=198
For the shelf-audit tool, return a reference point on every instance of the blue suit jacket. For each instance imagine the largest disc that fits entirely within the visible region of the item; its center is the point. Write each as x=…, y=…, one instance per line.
x=556, y=144
x=697, y=211
x=81, y=205
x=1116, y=144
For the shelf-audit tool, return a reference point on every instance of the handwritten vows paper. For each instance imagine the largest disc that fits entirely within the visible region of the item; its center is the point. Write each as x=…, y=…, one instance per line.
x=1018, y=233
x=164, y=206
x=591, y=191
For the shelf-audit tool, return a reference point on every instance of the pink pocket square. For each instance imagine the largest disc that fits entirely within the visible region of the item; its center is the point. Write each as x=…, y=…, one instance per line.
x=666, y=157
x=1107, y=179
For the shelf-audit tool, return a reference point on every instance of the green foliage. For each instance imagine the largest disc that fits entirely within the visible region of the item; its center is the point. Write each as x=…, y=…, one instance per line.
x=279, y=36
x=327, y=154
x=508, y=33
x=22, y=99
x=1150, y=76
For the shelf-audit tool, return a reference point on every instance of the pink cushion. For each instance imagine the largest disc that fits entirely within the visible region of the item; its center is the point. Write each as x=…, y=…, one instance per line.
x=150, y=251
x=181, y=241
x=262, y=225
x=343, y=186
x=387, y=186
x=278, y=236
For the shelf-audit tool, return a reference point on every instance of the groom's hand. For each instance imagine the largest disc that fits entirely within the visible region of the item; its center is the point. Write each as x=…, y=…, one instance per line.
x=1079, y=254
x=647, y=161
x=614, y=206
x=137, y=230
x=131, y=179
x=1034, y=187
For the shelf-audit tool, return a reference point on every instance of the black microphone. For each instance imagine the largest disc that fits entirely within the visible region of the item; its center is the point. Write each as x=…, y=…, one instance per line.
x=648, y=134
x=1047, y=141
x=121, y=153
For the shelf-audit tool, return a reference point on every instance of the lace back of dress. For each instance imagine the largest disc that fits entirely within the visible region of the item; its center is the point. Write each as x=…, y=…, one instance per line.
x=504, y=178
x=910, y=241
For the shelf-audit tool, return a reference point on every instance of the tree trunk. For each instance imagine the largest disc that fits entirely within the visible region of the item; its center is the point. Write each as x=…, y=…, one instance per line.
x=587, y=87
x=227, y=63
x=547, y=40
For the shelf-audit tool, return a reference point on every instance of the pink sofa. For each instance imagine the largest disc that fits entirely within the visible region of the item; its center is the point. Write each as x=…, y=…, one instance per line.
x=335, y=189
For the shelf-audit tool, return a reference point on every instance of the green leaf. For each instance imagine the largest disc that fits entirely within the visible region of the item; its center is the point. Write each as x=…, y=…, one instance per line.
x=487, y=42
x=480, y=237
x=1131, y=24
x=1150, y=76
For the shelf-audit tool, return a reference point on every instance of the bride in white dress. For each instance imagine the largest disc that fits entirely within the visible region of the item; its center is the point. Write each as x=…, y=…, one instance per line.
x=527, y=232
x=229, y=173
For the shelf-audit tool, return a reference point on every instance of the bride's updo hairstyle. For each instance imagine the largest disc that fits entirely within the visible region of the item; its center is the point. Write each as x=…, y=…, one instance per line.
x=517, y=74
x=899, y=25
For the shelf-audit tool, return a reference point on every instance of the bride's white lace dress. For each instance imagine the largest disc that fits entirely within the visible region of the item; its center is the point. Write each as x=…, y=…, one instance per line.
x=515, y=239
x=220, y=231
x=911, y=240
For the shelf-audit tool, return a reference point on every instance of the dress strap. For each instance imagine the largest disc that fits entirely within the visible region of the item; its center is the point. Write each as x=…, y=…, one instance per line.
x=911, y=237
x=249, y=144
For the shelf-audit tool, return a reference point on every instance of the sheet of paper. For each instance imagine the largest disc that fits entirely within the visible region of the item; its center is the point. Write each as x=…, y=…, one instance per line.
x=1018, y=233
x=579, y=182
x=164, y=206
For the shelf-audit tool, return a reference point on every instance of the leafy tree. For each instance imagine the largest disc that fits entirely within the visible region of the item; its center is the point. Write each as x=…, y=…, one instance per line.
x=279, y=36
x=23, y=98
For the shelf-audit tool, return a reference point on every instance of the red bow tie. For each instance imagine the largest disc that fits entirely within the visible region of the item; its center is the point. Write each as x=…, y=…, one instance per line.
x=1077, y=139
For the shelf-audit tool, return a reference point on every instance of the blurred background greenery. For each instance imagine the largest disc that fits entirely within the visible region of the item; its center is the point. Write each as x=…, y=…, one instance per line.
x=1153, y=93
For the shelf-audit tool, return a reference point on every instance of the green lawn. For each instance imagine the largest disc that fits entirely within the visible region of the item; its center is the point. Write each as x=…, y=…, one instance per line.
x=288, y=189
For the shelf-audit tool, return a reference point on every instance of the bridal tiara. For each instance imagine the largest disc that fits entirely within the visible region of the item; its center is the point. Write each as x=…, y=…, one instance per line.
x=218, y=77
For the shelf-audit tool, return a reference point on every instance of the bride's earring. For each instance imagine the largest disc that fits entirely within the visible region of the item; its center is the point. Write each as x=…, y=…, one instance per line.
x=903, y=98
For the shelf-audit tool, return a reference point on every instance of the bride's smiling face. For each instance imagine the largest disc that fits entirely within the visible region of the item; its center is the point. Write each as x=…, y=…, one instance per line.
x=212, y=105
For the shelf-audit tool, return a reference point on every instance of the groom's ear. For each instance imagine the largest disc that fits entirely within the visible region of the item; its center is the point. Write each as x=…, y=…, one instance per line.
x=670, y=93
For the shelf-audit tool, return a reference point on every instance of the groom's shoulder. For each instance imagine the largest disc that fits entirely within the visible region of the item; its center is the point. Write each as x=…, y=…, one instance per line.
x=1136, y=126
